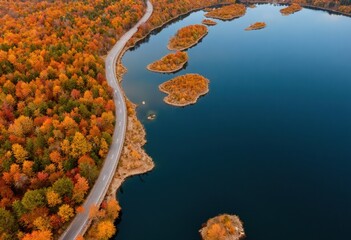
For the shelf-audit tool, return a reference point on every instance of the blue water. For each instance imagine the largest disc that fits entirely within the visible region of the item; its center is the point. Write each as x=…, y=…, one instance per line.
x=270, y=142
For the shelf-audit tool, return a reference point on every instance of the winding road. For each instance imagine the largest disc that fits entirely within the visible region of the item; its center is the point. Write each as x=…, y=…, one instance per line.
x=79, y=224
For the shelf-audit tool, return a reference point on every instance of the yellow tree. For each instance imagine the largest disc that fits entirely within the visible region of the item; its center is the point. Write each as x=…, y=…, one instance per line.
x=79, y=146
x=53, y=198
x=26, y=123
x=20, y=153
x=113, y=208
x=103, y=148
x=27, y=168
x=42, y=224
x=105, y=230
x=65, y=212
x=80, y=189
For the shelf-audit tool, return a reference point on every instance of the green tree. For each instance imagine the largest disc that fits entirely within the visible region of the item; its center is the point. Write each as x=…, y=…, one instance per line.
x=8, y=224
x=33, y=199
x=88, y=171
x=63, y=186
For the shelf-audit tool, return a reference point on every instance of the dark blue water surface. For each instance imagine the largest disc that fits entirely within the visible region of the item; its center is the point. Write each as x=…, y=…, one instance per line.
x=270, y=142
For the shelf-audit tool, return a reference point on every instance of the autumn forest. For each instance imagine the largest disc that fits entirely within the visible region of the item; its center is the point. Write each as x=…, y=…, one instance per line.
x=57, y=114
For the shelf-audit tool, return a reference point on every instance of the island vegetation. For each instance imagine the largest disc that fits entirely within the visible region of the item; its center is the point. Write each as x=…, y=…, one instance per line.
x=169, y=63
x=333, y=6
x=184, y=90
x=256, y=26
x=227, y=12
x=223, y=227
x=291, y=9
x=166, y=11
x=209, y=22
x=133, y=161
x=187, y=37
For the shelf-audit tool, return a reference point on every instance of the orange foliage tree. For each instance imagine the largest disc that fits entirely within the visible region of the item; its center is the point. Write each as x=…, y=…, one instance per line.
x=56, y=108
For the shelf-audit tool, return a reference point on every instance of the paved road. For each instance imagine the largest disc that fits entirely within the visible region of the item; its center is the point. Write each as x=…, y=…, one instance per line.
x=98, y=192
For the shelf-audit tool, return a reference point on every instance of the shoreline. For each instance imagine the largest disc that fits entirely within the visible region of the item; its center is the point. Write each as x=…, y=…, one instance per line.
x=134, y=130
x=119, y=178
x=285, y=3
x=149, y=32
x=190, y=46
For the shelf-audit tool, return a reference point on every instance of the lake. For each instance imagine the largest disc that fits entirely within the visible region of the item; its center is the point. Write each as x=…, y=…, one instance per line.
x=270, y=142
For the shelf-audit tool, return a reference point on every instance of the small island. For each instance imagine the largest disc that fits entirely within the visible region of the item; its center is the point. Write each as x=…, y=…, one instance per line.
x=187, y=37
x=290, y=9
x=256, y=26
x=184, y=90
x=151, y=116
x=209, y=22
x=223, y=227
x=169, y=63
x=228, y=12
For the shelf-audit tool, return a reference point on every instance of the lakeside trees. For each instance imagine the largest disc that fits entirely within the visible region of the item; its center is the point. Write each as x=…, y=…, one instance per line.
x=57, y=113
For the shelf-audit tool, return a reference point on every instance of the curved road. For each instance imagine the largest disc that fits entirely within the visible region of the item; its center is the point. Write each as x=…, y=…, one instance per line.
x=79, y=224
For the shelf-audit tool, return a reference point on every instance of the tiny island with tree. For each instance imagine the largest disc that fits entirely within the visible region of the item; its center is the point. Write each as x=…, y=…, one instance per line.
x=256, y=26
x=209, y=22
x=223, y=227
